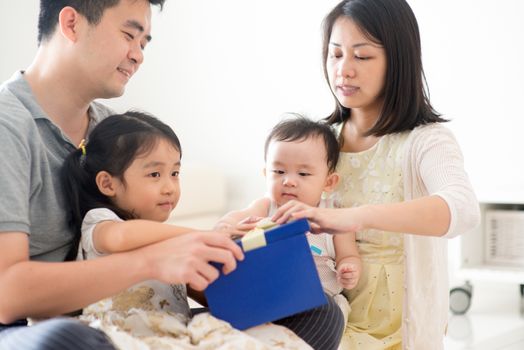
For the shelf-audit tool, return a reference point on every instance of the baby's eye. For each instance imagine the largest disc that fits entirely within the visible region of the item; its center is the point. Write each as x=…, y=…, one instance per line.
x=155, y=174
x=304, y=174
x=279, y=172
x=175, y=173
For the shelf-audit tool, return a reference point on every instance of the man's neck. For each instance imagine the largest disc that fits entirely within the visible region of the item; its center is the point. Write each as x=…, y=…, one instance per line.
x=60, y=96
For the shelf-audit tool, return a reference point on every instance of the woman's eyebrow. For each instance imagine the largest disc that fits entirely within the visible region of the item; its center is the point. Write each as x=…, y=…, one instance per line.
x=353, y=46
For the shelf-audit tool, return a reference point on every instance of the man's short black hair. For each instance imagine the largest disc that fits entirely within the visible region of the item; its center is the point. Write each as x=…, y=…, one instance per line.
x=91, y=9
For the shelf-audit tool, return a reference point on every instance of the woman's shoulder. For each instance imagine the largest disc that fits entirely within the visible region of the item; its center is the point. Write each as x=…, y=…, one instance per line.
x=431, y=128
x=430, y=132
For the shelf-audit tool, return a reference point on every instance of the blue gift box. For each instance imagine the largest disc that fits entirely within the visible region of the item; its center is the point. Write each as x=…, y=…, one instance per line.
x=277, y=278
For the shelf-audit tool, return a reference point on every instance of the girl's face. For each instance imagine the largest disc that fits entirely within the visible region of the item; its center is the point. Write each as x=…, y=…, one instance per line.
x=151, y=187
x=356, y=67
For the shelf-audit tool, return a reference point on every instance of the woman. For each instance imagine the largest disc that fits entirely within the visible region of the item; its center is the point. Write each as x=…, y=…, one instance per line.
x=403, y=186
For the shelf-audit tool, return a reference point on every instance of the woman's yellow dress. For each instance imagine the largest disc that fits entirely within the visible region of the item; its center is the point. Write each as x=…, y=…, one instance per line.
x=374, y=176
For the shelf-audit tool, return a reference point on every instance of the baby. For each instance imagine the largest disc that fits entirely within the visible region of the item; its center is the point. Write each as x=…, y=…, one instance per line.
x=300, y=160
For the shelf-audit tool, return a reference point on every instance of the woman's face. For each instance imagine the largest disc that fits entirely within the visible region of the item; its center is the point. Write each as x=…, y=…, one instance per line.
x=356, y=67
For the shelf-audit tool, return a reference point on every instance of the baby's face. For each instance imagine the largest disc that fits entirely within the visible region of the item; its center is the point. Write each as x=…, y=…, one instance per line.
x=297, y=170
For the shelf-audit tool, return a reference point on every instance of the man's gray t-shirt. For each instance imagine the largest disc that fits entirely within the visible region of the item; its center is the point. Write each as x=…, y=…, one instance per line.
x=32, y=151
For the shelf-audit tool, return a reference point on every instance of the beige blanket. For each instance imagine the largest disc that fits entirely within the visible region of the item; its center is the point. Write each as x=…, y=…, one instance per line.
x=139, y=329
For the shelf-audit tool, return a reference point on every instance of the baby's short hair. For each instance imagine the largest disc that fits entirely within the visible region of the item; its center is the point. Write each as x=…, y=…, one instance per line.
x=301, y=128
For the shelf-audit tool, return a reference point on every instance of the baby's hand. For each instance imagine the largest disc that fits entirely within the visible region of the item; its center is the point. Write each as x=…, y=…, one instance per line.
x=348, y=274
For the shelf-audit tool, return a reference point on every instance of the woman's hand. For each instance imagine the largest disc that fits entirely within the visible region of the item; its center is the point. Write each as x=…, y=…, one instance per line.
x=329, y=220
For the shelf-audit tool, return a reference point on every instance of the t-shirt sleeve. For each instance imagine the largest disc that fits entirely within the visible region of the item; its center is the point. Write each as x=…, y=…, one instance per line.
x=93, y=217
x=16, y=184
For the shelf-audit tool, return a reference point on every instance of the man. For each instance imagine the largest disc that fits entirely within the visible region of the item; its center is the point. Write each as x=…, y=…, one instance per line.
x=88, y=49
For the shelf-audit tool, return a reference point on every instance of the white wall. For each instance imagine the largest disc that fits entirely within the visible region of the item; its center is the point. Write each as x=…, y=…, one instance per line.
x=222, y=73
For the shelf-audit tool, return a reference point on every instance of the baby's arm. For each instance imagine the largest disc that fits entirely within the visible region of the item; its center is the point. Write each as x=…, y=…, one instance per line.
x=349, y=265
x=122, y=236
x=245, y=219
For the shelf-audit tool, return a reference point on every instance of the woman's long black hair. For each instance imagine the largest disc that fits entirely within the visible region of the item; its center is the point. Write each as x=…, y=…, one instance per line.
x=392, y=24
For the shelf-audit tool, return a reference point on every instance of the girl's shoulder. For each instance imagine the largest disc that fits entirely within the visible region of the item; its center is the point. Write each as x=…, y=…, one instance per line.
x=97, y=215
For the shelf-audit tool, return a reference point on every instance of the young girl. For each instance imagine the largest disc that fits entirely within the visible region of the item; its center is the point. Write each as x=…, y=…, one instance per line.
x=120, y=187
x=403, y=183
x=128, y=170
x=301, y=156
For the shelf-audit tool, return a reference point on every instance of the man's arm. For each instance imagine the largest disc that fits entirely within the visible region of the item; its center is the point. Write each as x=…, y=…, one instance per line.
x=45, y=289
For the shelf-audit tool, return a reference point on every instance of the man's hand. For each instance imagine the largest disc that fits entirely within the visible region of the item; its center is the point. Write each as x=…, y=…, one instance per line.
x=186, y=259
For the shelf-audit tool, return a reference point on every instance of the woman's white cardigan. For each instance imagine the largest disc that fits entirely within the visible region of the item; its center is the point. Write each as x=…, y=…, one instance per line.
x=432, y=165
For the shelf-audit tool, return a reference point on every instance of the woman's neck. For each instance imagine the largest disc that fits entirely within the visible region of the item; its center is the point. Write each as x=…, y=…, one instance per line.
x=354, y=132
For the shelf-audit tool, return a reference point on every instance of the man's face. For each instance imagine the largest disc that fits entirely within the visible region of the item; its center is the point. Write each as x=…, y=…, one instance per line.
x=111, y=51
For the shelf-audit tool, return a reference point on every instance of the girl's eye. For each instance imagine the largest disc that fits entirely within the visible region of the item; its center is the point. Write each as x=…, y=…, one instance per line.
x=175, y=173
x=155, y=174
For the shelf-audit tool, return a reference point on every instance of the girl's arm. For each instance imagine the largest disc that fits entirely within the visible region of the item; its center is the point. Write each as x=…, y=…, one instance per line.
x=245, y=219
x=122, y=236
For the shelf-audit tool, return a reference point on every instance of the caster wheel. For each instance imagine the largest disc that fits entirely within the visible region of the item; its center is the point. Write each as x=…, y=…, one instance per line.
x=460, y=299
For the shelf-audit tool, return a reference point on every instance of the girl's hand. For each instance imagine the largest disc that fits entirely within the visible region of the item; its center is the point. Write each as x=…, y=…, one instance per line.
x=348, y=274
x=248, y=223
x=241, y=228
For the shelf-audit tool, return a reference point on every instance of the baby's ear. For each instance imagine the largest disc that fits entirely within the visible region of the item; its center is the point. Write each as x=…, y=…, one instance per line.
x=105, y=183
x=331, y=182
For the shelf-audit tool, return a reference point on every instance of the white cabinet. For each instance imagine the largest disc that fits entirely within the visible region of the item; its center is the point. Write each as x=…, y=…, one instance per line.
x=494, y=251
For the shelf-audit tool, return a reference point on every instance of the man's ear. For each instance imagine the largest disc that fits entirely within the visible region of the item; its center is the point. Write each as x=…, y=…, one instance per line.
x=68, y=21
x=105, y=183
x=331, y=182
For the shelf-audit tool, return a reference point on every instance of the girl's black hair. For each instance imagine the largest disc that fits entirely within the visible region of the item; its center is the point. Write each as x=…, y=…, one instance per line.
x=113, y=145
x=392, y=24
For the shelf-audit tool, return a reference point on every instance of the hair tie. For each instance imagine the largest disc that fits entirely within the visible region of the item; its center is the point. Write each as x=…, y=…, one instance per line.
x=82, y=146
